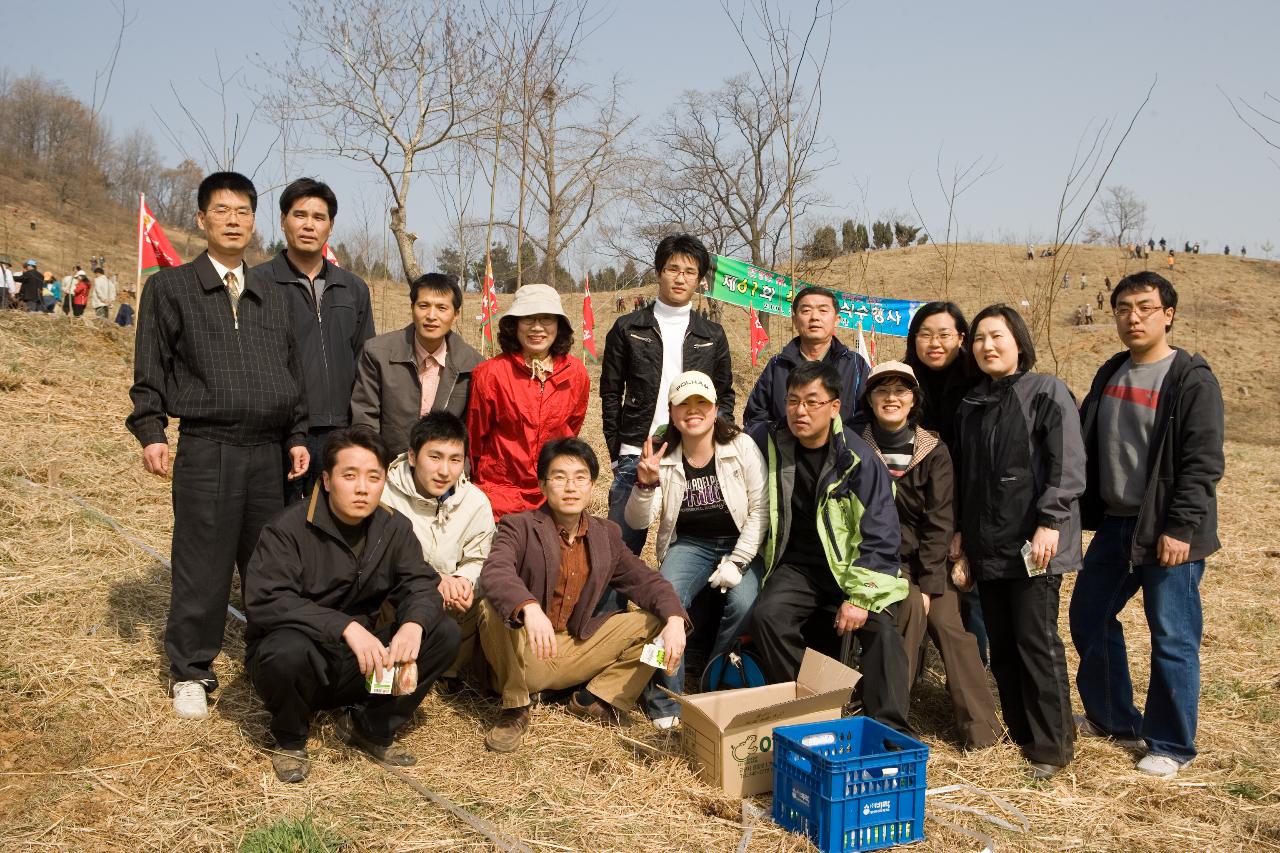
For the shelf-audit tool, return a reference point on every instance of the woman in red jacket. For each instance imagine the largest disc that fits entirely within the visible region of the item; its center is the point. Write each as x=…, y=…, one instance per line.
x=530, y=394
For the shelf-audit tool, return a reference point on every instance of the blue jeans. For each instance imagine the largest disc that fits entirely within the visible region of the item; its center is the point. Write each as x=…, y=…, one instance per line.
x=688, y=565
x=1171, y=598
x=624, y=477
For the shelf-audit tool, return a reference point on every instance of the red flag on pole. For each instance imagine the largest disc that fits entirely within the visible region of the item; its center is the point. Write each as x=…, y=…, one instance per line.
x=330, y=256
x=488, y=303
x=588, y=321
x=759, y=337
x=154, y=249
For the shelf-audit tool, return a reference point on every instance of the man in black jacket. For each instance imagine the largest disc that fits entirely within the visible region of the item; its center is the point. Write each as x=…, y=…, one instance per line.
x=32, y=287
x=214, y=349
x=319, y=576
x=815, y=312
x=1153, y=430
x=643, y=352
x=332, y=317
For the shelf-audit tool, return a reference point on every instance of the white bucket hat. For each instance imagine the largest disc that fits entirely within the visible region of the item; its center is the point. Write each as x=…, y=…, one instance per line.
x=533, y=299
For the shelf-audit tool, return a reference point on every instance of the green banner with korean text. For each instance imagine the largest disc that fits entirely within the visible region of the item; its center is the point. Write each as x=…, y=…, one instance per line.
x=740, y=283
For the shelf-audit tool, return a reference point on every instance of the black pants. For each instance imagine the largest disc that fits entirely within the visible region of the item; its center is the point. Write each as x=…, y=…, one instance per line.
x=222, y=496
x=296, y=676
x=790, y=599
x=1030, y=665
x=300, y=489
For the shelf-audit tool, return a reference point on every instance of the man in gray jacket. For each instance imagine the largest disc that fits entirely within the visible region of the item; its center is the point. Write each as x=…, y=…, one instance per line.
x=424, y=367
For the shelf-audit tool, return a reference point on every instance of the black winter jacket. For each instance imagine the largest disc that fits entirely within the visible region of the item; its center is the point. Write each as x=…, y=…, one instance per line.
x=31, y=285
x=1184, y=463
x=768, y=400
x=304, y=576
x=632, y=369
x=943, y=391
x=1020, y=464
x=329, y=337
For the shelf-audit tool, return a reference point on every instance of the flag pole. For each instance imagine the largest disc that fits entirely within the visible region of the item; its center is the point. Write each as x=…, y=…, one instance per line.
x=142, y=205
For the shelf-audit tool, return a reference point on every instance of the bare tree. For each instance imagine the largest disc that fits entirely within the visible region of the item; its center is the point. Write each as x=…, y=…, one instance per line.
x=961, y=179
x=1256, y=119
x=1124, y=215
x=383, y=82
x=784, y=58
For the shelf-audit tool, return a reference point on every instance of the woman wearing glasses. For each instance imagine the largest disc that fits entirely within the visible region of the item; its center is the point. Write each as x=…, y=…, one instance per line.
x=924, y=492
x=705, y=483
x=530, y=394
x=1020, y=462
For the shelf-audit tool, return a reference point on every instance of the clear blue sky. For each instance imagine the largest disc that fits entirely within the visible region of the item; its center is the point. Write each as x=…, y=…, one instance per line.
x=1017, y=82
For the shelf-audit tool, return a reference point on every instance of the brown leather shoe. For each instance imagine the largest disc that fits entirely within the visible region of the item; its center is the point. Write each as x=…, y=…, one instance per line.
x=291, y=765
x=508, y=732
x=599, y=711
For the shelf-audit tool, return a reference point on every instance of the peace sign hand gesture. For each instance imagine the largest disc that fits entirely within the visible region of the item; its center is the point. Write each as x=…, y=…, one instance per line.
x=647, y=467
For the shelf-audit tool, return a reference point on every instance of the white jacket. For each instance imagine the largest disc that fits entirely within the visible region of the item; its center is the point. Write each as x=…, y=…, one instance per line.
x=742, y=472
x=103, y=293
x=455, y=532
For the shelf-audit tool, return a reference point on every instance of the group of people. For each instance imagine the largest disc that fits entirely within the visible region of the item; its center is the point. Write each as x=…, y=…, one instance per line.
x=44, y=293
x=400, y=507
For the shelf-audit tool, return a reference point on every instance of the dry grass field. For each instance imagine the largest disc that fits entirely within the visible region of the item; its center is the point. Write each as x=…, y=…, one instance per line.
x=92, y=759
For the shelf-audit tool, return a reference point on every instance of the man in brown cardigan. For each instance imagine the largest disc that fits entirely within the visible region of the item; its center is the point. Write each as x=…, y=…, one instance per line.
x=544, y=578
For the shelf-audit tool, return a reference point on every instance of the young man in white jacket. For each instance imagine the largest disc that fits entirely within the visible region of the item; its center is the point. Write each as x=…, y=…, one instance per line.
x=451, y=518
x=705, y=483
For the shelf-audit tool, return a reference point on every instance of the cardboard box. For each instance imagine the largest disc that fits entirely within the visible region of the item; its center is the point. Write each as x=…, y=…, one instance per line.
x=729, y=733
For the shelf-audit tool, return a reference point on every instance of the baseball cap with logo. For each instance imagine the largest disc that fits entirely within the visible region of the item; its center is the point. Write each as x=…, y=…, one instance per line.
x=691, y=383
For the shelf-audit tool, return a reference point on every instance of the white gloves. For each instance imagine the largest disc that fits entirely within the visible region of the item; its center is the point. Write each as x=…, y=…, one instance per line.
x=726, y=576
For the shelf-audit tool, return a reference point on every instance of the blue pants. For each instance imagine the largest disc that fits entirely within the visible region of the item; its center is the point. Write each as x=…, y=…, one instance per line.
x=624, y=477
x=689, y=564
x=1171, y=599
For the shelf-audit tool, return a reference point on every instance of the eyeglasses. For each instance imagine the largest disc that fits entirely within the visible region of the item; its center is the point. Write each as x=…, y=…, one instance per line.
x=1142, y=311
x=543, y=320
x=676, y=272
x=900, y=391
x=221, y=211
x=941, y=337
x=559, y=481
x=808, y=405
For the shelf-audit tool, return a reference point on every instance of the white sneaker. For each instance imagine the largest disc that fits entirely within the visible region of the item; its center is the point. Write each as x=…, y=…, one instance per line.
x=190, y=700
x=665, y=723
x=1161, y=765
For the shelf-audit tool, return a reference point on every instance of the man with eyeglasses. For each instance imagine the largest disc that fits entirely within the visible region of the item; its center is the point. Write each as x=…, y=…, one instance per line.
x=215, y=349
x=831, y=559
x=815, y=313
x=541, y=624
x=1153, y=430
x=643, y=352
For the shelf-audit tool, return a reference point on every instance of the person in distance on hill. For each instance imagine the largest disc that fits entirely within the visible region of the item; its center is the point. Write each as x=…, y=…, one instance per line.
x=704, y=481
x=831, y=557
x=1020, y=465
x=332, y=316
x=924, y=494
x=815, y=313
x=643, y=352
x=541, y=623
x=424, y=367
x=451, y=517
x=215, y=349
x=103, y=293
x=31, y=283
x=319, y=577
x=80, y=295
x=532, y=393
x=1153, y=429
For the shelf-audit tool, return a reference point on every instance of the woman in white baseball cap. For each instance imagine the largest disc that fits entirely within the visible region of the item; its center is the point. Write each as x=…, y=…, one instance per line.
x=703, y=479
x=530, y=394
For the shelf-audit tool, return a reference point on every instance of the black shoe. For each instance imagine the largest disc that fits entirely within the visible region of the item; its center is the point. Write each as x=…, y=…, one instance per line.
x=390, y=754
x=1041, y=771
x=291, y=765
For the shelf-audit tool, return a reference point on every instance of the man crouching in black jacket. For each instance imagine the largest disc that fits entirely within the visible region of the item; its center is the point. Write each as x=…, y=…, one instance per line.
x=320, y=573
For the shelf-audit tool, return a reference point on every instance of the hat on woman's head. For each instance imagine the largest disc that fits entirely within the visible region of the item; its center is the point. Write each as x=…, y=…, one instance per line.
x=889, y=369
x=533, y=299
x=691, y=383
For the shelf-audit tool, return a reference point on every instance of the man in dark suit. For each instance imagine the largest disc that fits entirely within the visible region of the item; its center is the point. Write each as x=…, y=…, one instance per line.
x=332, y=316
x=214, y=348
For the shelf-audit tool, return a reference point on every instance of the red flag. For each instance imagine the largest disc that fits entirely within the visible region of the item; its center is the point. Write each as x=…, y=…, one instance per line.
x=154, y=249
x=330, y=256
x=588, y=321
x=758, y=337
x=488, y=303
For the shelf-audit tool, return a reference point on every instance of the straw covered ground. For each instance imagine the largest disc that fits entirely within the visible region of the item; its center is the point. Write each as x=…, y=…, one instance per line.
x=92, y=759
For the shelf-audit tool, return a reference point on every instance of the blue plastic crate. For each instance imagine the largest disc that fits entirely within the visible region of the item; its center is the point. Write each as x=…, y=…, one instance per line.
x=850, y=785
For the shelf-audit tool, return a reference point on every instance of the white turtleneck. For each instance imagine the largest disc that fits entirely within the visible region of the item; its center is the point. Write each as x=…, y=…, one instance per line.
x=672, y=325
